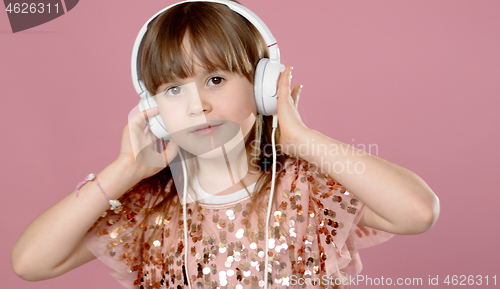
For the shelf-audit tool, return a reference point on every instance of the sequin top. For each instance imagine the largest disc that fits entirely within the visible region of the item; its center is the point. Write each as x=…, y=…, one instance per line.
x=314, y=238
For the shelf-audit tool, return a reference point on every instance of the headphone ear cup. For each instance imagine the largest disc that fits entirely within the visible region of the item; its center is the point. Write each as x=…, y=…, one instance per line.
x=258, y=82
x=156, y=124
x=266, y=78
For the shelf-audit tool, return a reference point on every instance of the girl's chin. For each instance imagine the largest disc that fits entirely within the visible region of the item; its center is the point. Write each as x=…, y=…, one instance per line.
x=216, y=153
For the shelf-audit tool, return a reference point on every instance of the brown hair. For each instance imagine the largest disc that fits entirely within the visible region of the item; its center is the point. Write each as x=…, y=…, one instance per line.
x=221, y=39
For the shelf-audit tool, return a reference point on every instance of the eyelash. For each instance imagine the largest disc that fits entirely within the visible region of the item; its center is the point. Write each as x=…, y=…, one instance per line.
x=221, y=78
x=168, y=89
x=211, y=78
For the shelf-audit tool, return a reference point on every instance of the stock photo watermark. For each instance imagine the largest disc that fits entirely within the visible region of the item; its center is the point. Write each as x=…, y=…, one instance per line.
x=350, y=154
x=399, y=281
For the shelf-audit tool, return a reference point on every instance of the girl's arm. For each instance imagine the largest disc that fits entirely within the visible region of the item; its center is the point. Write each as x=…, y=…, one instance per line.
x=52, y=244
x=397, y=200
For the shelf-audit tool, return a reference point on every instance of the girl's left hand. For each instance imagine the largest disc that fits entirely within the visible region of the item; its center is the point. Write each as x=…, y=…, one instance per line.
x=292, y=129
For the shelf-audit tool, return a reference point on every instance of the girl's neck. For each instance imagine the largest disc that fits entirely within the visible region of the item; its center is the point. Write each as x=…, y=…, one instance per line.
x=228, y=173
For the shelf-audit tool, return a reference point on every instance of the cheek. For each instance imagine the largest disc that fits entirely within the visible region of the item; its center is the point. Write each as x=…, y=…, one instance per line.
x=242, y=111
x=172, y=119
x=245, y=113
x=250, y=107
x=244, y=107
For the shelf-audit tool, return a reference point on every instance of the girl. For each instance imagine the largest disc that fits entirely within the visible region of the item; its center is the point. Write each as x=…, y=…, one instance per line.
x=199, y=59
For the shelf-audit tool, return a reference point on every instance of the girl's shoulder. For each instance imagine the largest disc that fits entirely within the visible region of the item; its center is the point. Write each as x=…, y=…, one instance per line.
x=313, y=195
x=323, y=213
x=305, y=185
x=301, y=174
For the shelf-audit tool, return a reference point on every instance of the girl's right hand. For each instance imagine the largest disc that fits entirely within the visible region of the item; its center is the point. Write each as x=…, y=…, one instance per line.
x=138, y=147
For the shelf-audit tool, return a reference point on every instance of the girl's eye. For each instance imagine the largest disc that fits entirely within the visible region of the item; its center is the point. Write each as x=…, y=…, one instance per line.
x=216, y=80
x=174, y=90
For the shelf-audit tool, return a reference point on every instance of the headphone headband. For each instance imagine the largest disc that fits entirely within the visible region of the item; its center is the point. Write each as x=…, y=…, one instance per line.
x=274, y=54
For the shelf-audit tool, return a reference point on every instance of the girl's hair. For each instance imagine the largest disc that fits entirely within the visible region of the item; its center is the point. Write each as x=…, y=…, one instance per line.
x=221, y=39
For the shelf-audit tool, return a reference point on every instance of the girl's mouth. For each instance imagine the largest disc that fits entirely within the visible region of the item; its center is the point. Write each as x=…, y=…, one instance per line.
x=205, y=129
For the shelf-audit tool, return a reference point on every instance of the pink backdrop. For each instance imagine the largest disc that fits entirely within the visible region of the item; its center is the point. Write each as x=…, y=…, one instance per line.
x=418, y=79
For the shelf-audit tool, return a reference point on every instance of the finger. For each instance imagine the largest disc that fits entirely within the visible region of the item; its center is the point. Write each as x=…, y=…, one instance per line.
x=150, y=157
x=139, y=117
x=170, y=151
x=140, y=138
x=296, y=93
x=284, y=82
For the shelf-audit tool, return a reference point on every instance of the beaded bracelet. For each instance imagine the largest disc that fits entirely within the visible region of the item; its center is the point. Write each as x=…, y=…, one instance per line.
x=92, y=177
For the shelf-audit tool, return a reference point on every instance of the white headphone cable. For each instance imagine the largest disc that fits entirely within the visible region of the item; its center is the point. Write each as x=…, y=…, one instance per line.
x=275, y=125
x=184, y=214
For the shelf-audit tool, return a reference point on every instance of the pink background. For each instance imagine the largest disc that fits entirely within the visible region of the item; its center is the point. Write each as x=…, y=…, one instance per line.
x=419, y=79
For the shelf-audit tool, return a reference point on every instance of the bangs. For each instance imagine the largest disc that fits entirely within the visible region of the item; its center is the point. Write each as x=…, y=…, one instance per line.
x=219, y=39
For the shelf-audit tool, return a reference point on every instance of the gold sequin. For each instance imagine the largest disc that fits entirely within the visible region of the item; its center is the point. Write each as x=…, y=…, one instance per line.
x=239, y=233
x=230, y=214
x=221, y=224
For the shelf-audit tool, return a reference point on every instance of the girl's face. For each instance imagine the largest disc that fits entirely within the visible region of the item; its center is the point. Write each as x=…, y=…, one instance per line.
x=208, y=112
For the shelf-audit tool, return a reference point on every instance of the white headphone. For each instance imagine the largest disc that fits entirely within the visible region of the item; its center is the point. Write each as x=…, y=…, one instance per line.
x=265, y=78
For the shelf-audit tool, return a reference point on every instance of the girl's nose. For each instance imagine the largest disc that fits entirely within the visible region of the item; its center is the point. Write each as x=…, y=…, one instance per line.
x=197, y=100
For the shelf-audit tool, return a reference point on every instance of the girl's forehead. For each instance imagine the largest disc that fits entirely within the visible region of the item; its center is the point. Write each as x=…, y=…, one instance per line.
x=191, y=56
x=198, y=67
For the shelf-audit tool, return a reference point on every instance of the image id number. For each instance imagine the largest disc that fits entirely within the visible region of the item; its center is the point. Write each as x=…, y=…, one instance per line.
x=24, y=8
x=470, y=280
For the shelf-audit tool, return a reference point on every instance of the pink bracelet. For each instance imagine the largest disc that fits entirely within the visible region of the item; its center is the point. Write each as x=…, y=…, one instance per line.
x=92, y=177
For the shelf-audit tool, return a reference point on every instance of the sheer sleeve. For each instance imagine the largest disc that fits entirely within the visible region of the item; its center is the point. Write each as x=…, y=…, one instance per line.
x=334, y=214
x=116, y=236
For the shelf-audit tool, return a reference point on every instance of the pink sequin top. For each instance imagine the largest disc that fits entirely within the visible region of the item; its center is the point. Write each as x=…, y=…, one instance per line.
x=314, y=238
